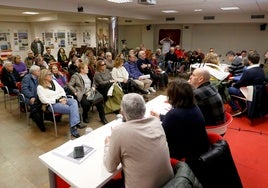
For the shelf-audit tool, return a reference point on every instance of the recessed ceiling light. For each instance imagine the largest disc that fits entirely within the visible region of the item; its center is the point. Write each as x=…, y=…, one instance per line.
x=230, y=8
x=120, y=1
x=198, y=10
x=31, y=13
x=169, y=11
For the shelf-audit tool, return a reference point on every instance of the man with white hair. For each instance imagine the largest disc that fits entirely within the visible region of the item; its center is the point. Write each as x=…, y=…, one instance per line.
x=109, y=61
x=29, y=90
x=207, y=97
x=139, y=145
x=10, y=77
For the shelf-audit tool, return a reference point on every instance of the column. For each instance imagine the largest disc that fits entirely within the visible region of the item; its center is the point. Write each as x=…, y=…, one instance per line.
x=113, y=35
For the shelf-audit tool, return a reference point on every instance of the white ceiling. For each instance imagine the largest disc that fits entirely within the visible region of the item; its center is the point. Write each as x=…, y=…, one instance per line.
x=134, y=11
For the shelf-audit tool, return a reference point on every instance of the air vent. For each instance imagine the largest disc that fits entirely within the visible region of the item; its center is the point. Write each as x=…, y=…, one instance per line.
x=209, y=18
x=128, y=21
x=261, y=16
x=170, y=19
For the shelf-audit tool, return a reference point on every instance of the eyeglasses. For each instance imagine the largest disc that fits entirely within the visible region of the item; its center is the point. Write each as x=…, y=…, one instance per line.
x=103, y=64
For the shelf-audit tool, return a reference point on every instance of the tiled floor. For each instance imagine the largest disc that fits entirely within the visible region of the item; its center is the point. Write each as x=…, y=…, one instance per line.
x=21, y=144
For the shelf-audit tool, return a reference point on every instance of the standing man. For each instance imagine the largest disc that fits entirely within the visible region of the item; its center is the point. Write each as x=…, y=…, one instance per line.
x=207, y=97
x=166, y=44
x=139, y=145
x=37, y=47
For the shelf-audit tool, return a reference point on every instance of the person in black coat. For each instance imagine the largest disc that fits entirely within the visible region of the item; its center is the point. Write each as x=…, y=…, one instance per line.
x=10, y=78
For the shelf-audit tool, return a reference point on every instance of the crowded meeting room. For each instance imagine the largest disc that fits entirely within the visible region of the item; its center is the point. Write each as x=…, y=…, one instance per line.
x=134, y=93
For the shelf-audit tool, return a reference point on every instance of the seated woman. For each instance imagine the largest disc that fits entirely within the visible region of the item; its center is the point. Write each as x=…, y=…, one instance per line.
x=186, y=136
x=79, y=85
x=107, y=86
x=120, y=74
x=20, y=67
x=59, y=77
x=49, y=91
x=10, y=78
x=159, y=73
x=62, y=58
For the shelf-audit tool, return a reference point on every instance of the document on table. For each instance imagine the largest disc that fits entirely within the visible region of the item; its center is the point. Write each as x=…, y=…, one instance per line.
x=67, y=150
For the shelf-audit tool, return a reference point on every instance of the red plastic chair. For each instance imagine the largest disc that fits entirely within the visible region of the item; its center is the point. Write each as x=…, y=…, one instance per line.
x=220, y=129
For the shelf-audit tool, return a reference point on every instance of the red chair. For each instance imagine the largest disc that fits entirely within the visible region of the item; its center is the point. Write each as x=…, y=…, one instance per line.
x=220, y=129
x=214, y=137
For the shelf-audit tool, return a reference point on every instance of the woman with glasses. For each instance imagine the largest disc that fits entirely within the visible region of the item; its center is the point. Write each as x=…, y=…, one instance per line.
x=108, y=87
x=50, y=92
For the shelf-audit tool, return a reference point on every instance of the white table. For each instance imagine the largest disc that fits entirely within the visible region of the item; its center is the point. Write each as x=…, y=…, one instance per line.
x=91, y=172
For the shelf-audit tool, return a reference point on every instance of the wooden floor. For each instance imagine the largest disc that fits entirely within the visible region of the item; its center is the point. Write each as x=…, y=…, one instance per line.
x=21, y=144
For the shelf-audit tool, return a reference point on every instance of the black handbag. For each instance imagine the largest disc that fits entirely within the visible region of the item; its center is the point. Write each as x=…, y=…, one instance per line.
x=94, y=97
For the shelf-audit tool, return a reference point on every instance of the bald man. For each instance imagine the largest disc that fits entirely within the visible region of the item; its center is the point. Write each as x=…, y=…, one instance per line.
x=207, y=97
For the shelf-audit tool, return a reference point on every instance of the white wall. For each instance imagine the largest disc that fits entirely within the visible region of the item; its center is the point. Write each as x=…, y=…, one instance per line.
x=222, y=37
x=36, y=29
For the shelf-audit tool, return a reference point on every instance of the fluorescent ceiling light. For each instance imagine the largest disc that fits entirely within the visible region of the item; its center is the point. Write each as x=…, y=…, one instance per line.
x=169, y=11
x=30, y=13
x=198, y=10
x=103, y=19
x=230, y=8
x=120, y=1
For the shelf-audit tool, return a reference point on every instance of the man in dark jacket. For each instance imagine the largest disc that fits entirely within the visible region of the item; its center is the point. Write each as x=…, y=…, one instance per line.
x=253, y=75
x=29, y=90
x=37, y=47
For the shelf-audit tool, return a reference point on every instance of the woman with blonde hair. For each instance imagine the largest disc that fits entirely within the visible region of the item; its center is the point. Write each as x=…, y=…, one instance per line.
x=50, y=92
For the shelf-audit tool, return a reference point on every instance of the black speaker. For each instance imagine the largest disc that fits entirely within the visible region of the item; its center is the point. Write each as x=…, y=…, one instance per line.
x=263, y=27
x=148, y=27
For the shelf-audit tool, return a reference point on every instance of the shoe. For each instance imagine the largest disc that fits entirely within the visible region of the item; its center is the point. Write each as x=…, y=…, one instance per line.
x=236, y=113
x=148, y=92
x=74, y=132
x=80, y=126
x=104, y=121
x=85, y=120
x=151, y=89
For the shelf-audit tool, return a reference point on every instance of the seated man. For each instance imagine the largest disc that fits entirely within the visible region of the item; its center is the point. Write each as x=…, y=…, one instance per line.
x=48, y=57
x=139, y=145
x=135, y=73
x=10, y=78
x=29, y=90
x=207, y=97
x=253, y=75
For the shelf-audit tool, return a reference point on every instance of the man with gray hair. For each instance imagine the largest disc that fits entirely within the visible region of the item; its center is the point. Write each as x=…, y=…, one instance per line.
x=139, y=145
x=10, y=78
x=29, y=90
x=109, y=61
x=207, y=97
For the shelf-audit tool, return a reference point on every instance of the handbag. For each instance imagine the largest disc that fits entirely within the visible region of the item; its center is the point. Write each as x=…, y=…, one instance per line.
x=94, y=96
